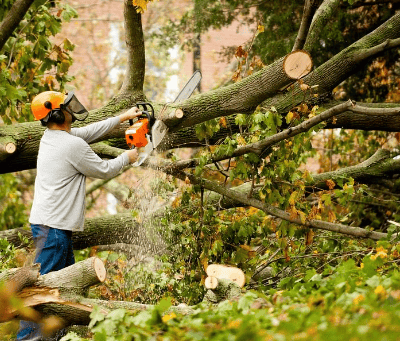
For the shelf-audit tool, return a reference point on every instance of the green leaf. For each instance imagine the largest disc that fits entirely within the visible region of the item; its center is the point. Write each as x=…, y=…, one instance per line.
x=68, y=45
x=164, y=304
x=246, y=300
x=241, y=119
x=96, y=316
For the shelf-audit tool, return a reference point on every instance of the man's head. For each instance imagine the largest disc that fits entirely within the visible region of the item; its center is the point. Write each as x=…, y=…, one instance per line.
x=56, y=108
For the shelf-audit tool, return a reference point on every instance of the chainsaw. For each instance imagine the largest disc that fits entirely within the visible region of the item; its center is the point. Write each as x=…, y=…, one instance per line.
x=147, y=133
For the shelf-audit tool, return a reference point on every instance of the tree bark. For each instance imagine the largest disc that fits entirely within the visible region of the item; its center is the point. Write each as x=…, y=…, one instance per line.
x=20, y=278
x=61, y=293
x=134, y=75
x=243, y=96
x=12, y=19
x=55, y=293
x=326, y=77
x=308, y=11
x=225, y=290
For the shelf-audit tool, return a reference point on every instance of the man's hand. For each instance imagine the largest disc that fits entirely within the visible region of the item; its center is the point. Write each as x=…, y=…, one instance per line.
x=130, y=114
x=132, y=155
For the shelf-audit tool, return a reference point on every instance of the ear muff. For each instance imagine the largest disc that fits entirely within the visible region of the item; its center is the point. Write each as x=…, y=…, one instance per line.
x=56, y=116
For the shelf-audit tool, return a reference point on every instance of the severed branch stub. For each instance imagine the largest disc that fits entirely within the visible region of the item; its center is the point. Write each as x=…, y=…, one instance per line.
x=179, y=113
x=7, y=149
x=223, y=283
x=211, y=282
x=297, y=64
x=219, y=271
x=225, y=290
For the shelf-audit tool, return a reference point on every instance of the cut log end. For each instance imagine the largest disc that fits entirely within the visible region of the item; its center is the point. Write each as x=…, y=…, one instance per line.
x=179, y=113
x=211, y=282
x=221, y=271
x=10, y=148
x=7, y=149
x=297, y=64
x=100, y=269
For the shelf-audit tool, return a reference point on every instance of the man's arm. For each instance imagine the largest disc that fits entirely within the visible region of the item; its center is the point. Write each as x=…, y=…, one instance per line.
x=96, y=130
x=90, y=164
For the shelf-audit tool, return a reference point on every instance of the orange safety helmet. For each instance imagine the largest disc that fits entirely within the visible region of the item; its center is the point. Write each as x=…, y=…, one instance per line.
x=45, y=102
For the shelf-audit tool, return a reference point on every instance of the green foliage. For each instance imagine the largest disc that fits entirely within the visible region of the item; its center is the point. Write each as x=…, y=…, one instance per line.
x=357, y=298
x=319, y=285
x=30, y=62
x=10, y=256
x=7, y=253
x=12, y=209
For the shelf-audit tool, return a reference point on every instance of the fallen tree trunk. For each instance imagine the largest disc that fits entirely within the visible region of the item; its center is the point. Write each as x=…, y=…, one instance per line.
x=61, y=293
x=56, y=293
x=243, y=96
x=223, y=289
x=20, y=278
x=112, y=229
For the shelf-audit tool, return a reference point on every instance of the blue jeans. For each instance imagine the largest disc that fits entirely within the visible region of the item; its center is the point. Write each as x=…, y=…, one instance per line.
x=53, y=252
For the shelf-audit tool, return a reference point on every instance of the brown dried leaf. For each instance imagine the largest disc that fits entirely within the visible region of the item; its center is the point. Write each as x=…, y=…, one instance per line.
x=222, y=121
x=303, y=107
x=309, y=237
x=236, y=75
x=304, y=87
x=240, y=52
x=331, y=216
x=330, y=183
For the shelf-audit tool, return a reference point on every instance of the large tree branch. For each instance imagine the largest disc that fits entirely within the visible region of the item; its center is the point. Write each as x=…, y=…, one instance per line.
x=374, y=120
x=379, y=166
x=12, y=19
x=337, y=69
x=320, y=19
x=97, y=231
x=134, y=76
x=61, y=293
x=274, y=211
x=308, y=12
x=105, y=230
x=260, y=146
x=243, y=96
x=125, y=229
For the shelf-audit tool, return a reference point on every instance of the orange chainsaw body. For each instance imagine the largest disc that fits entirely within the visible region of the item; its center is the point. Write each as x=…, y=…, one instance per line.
x=136, y=134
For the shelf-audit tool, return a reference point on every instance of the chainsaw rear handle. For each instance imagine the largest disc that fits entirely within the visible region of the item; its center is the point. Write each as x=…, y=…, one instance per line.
x=145, y=112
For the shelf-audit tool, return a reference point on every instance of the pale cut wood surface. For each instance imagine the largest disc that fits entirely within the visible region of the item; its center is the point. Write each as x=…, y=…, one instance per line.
x=297, y=64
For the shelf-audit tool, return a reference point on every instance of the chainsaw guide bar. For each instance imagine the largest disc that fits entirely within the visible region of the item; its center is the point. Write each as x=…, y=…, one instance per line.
x=147, y=132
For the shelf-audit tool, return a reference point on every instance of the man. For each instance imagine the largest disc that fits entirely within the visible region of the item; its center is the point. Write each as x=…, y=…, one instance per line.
x=64, y=161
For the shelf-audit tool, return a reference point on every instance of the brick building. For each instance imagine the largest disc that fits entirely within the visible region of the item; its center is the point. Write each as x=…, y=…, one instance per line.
x=98, y=56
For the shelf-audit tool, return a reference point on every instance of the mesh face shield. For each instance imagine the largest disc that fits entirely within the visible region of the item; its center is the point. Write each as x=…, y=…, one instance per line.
x=74, y=107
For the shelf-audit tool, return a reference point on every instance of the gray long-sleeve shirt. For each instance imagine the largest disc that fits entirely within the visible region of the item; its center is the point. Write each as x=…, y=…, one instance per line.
x=64, y=161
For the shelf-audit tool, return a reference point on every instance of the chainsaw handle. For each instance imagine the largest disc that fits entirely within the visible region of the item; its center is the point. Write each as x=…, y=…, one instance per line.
x=145, y=112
